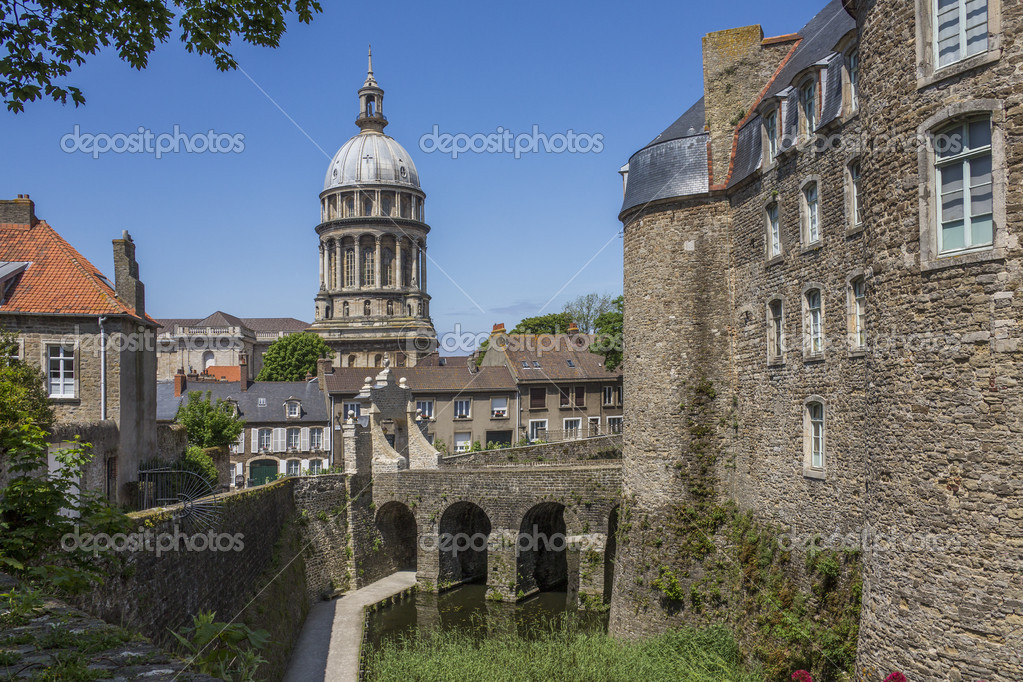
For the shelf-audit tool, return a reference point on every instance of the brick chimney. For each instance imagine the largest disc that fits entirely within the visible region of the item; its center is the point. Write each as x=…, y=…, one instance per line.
x=498, y=329
x=573, y=329
x=179, y=383
x=126, y=275
x=20, y=211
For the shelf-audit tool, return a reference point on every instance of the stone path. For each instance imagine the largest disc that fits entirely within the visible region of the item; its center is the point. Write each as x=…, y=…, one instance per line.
x=328, y=647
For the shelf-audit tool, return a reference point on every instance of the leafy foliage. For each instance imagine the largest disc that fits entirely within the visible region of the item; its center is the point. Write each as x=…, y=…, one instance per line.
x=228, y=651
x=552, y=323
x=35, y=512
x=609, y=329
x=586, y=309
x=209, y=424
x=22, y=389
x=198, y=462
x=46, y=40
x=293, y=357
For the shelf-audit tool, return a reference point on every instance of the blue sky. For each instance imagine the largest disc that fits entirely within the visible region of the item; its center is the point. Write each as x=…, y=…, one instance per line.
x=515, y=237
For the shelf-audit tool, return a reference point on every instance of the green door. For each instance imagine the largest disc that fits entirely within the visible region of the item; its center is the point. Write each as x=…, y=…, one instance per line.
x=263, y=470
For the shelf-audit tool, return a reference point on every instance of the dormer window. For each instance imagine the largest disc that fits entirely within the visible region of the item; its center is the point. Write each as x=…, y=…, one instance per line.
x=261, y=402
x=294, y=409
x=536, y=364
x=771, y=134
x=808, y=106
x=853, y=70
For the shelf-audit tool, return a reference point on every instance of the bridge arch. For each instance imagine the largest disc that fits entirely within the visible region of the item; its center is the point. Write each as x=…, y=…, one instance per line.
x=463, y=536
x=397, y=527
x=541, y=549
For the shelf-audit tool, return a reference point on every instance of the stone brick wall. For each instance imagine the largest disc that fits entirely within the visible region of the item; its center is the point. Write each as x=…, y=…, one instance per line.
x=322, y=501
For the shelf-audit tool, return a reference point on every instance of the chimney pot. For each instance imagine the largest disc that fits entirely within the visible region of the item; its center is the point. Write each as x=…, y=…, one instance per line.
x=179, y=383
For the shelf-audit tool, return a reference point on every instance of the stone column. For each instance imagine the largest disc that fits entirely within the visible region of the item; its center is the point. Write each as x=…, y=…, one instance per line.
x=323, y=268
x=376, y=263
x=399, y=259
x=502, y=578
x=415, y=264
x=338, y=264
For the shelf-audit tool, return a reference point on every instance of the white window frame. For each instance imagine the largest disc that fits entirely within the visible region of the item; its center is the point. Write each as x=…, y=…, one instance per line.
x=815, y=438
x=852, y=69
x=772, y=224
x=464, y=445
x=964, y=160
x=608, y=395
x=928, y=71
x=572, y=427
x=314, y=434
x=293, y=467
x=811, y=230
x=293, y=439
x=534, y=426
x=770, y=119
x=465, y=403
x=959, y=7
x=612, y=421
x=350, y=407
x=425, y=407
x=315, y=466
x=775, y=331
x=67, y=385
x=813, y=346
x=809, y=116
x=498, y=412
x=265, y=440
x=593, y=426
x=854, y=171
x=857, y=291
x=294, y=409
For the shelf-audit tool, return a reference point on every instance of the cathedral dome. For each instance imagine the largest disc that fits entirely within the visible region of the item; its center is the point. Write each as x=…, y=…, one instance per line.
x=371, y=157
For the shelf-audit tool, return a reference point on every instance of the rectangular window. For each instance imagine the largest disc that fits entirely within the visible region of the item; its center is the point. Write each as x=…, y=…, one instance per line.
x=573, y=428
x=816, y=411
x=537, y=398
x=61, y=371
x=773, y=231
x=498, y=408
x=960, y=29
x=593, y=426
x=580, y=396
x=775, y=330
x=315, y=466
x=294, y=438
x=771, y=128
x=315, y=439
x=565, y=395
x=808, y=103
x=261, y=402
x=265, y=439
x=425, y=408
x=614, y=424
x=811, y=217
x=294, y=467
x=859, y=311
x=609, y=395
x=463, y=439
x=854, y=193
x=965, y=196
x=238, y=446
x=462, y=408
x=349, y=408
x=537, y=429
x=293, y=410
x=815, y=328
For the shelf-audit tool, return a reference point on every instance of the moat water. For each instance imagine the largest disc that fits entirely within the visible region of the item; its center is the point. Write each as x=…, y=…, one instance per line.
x=466, y=610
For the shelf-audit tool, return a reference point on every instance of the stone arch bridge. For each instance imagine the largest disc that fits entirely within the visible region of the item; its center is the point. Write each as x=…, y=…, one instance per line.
x=520, y=520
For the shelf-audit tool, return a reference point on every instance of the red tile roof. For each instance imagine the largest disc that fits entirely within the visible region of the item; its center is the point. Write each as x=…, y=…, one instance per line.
x=59, y=280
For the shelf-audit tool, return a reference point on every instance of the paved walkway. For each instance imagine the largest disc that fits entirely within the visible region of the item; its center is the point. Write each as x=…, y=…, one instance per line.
x=328, y=648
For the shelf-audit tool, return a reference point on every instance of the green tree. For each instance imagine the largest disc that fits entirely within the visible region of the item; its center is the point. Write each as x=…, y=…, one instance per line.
x=45, y=40
x=294, y=356
x=199, y=463
x=22, y=389
x=209, y=424
x=552, y=323
x=608, y=327
x=585, y=310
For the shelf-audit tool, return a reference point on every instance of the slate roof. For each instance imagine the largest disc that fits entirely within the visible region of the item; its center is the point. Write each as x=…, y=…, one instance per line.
x=562, y=357
x=222, y=319
x=435, y=379
x=314, y=408
x=674, y=164
x=58, y=280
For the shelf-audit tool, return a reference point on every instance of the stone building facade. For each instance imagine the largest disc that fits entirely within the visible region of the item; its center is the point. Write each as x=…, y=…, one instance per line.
x=805, y=232
x=372, y=304
x=90, y=337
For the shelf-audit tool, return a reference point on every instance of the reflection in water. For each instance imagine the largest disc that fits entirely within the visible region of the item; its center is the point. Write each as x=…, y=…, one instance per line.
x=465, y=609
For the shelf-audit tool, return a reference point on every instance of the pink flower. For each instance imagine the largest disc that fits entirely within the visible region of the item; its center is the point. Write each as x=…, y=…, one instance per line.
x=803, y=676
x=895, y=677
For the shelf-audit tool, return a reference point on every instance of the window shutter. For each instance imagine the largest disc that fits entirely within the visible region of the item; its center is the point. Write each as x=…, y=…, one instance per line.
x=255, y=440
x=304, y=439
x=279, y=436
x=283, y=466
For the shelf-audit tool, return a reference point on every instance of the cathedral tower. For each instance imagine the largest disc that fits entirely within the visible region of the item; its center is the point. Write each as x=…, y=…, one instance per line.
x=372, y=304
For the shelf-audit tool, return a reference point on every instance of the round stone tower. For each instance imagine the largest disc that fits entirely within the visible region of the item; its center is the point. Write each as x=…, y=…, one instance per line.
x=372, y=304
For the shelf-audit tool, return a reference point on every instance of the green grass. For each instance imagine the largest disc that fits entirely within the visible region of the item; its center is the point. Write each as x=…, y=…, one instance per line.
x=563, y=654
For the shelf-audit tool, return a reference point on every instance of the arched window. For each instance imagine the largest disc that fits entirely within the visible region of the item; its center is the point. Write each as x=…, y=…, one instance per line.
x=420, y=311
x=367, y=308
x=386, y=204
x=344, y=309
x=207, y=360
x=378, y=361
x=773, y=227
x=351, y=361
x=370, y=106
x=814, y=438
x=857, y=313
x=350, y=207
x=404, y=206
x=367, y=206
x=410, y=310
x=349, y=267
x=808, y=106
x=368, y=267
